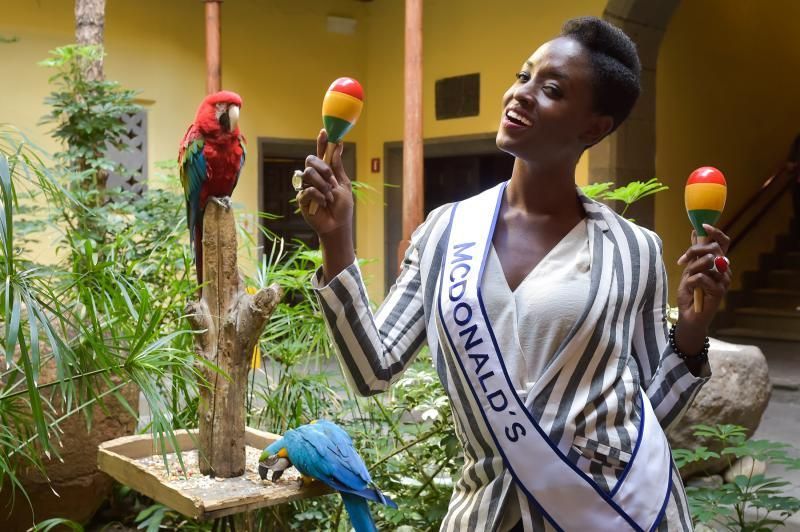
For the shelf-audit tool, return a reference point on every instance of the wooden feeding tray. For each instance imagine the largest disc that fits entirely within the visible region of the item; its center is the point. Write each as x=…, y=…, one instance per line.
x=134, y=461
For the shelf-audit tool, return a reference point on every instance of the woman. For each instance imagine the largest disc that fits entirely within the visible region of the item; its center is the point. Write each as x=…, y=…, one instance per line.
x=544, y=312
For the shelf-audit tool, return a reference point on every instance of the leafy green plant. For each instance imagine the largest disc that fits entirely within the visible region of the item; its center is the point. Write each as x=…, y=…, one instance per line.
x=751, y=502
x=108, y=314
x=415, y=455
x=627, y=194
x=597, y=191
x=87, y=117
x=74, y=338
x=57, y=523
x=131, y=239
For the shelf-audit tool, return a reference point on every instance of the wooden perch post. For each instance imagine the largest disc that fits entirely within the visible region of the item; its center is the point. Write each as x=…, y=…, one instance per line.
x=229, y=322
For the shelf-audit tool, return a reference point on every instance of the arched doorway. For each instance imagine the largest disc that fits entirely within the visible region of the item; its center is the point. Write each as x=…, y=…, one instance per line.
x=629, y=154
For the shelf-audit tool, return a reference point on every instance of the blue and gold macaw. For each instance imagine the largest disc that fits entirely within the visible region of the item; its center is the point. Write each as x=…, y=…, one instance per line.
x=324, y=451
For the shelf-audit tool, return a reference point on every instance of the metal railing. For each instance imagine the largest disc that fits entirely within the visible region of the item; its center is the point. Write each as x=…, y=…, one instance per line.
x=762, y=200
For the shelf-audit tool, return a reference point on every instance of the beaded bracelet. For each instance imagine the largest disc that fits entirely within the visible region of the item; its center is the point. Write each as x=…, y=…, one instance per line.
x=699, y=359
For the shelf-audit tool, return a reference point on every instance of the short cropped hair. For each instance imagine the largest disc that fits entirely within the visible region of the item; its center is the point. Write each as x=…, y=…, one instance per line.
x=615, y=64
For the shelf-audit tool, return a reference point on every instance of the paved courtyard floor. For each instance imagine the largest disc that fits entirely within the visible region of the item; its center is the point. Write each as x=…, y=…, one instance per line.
x=781, y=420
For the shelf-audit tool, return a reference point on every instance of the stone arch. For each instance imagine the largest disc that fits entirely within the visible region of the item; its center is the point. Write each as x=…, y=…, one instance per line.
x=630, y=153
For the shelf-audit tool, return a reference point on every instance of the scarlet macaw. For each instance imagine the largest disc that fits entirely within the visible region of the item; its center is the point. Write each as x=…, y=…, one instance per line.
x=324, y=451
x=210, y=159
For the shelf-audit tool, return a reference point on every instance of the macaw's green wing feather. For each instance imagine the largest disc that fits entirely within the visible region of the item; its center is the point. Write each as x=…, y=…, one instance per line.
x=192, y=163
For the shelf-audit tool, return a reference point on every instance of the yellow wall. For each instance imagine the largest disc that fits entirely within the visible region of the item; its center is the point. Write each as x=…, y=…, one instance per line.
x=279, y=57
x=726, y=96
x=25, y=83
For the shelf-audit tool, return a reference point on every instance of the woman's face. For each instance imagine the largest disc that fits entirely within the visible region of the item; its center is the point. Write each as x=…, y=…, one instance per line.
x=548, y=111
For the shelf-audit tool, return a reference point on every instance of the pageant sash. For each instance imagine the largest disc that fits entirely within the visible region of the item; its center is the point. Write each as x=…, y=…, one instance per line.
x=566, y=495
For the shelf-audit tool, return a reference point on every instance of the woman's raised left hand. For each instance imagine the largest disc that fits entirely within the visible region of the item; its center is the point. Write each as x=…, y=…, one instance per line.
x=700, y=273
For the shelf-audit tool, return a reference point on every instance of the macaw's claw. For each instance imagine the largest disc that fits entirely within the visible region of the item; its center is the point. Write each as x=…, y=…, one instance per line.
x=224, y=202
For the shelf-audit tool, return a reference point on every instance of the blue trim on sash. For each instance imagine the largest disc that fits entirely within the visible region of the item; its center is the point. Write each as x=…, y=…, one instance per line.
x=666, y=499
x=635, y=449
x=605, y=496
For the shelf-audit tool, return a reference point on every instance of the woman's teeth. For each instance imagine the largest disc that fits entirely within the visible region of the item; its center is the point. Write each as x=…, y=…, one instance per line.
x=516, y=117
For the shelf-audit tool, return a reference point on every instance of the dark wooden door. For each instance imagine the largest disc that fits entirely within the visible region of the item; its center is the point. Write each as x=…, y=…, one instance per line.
x=278, y=159
x=278, y=200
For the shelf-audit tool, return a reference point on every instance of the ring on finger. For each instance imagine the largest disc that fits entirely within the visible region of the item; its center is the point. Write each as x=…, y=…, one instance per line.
x=721, y=264
x=297, y=180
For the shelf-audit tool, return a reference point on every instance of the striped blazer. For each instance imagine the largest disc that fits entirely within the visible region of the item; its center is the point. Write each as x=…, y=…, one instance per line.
x=585, y=399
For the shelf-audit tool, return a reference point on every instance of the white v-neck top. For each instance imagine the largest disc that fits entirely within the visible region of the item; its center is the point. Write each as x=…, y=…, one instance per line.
x=546, y=304
x=543, y=309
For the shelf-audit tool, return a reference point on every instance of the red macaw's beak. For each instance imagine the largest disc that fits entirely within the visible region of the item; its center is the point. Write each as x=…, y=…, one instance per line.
x=233, y=117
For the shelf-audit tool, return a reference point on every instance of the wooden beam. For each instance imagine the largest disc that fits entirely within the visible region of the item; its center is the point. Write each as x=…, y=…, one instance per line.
x=413, y=192
x=213, y=54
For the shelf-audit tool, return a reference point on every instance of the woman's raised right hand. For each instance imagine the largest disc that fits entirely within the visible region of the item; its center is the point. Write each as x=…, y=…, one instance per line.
x=329, y=187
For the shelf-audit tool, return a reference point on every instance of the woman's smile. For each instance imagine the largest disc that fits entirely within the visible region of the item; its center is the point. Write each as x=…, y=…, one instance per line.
x=515, y=120
x=518, y=117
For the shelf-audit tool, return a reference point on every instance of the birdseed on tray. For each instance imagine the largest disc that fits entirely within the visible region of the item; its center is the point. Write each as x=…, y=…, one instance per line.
x=194, y=484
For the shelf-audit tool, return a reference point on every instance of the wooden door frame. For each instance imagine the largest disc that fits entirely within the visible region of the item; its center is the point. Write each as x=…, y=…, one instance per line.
x=460, y=145
x=294, y=149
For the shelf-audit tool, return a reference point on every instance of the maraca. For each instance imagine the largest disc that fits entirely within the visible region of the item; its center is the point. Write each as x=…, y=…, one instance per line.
x=705, y=195
x=341, y=107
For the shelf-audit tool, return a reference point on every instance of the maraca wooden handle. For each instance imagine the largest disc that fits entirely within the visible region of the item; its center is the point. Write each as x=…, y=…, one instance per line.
x=329, y=149
x=328, y=157
x=698, y=292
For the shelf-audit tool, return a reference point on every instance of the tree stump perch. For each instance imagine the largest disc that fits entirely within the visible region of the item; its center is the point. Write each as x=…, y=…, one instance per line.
x=228, y=322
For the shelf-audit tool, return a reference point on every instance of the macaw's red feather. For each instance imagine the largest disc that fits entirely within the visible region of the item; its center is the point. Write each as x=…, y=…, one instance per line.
x=223, y=163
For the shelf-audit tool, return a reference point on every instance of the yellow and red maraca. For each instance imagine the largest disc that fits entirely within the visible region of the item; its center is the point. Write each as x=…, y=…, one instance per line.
x=705, y=194
x=341, y=108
